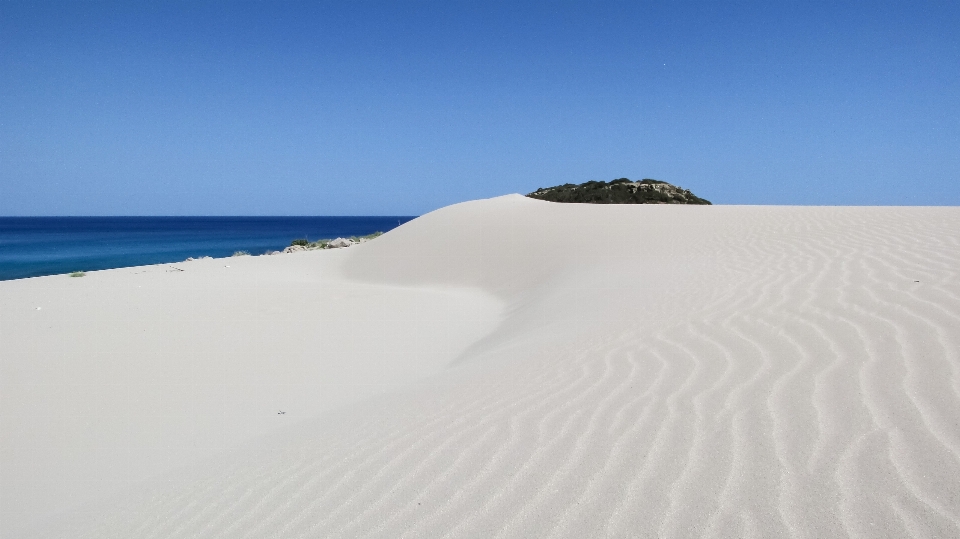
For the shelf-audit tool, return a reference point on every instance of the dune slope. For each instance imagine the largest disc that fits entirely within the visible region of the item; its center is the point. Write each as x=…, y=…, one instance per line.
x=618, y=371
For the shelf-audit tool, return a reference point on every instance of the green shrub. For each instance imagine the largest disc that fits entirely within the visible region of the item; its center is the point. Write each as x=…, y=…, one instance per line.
x=78, y=274
x=618, y=191
x=302, y=243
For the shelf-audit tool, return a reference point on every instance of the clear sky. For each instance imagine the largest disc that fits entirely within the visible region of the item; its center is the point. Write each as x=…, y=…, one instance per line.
x=398, y=108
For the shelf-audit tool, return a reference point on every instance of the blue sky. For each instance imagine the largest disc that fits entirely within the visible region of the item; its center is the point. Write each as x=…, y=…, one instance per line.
x=342, y=108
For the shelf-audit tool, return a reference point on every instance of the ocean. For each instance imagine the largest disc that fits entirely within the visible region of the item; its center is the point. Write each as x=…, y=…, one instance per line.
x=36, y=246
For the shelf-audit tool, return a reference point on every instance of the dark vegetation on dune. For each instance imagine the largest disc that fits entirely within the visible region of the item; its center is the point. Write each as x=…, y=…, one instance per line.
x=621, y=191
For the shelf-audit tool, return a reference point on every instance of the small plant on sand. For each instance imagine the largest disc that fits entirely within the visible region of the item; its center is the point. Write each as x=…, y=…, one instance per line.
x=241, y=253
x=356, y=239
x=302, y=243
x=78, y=274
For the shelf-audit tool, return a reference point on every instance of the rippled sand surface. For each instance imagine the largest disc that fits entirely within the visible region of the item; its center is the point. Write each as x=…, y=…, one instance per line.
x=504, y=368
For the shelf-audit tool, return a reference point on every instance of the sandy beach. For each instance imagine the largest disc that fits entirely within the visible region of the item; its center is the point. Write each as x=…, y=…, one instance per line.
x=502, y=368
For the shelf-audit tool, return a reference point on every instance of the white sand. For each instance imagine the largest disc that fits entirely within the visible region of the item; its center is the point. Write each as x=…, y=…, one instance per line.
x=502, y=368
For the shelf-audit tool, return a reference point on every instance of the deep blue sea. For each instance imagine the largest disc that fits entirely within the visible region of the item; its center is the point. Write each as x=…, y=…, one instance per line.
x=35, y=246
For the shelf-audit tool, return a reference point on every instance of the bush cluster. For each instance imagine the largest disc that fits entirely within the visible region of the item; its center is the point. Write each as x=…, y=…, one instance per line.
x=619, y=191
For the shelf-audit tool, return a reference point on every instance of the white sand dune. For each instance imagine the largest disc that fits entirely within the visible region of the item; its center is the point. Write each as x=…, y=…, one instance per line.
x=503, y=368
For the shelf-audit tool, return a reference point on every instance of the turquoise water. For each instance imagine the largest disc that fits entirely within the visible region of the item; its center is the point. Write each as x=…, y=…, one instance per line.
x=35, y=246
